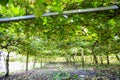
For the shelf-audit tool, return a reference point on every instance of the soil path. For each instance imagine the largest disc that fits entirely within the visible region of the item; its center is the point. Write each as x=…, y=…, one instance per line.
x=54, y=74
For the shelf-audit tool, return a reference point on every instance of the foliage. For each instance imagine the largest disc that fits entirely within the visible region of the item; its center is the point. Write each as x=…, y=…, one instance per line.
x=61, y=75
x=62, y=35
x=66, y=30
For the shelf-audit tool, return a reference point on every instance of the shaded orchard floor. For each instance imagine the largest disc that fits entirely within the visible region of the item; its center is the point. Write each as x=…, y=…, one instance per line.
x=52, y=74
x=63, y=72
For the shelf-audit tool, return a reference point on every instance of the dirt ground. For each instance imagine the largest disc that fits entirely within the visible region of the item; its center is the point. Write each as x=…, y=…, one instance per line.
x=55, y=74
x=63, y=72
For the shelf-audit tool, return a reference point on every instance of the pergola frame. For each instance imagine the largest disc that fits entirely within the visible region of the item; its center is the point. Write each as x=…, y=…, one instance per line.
x=4, y=20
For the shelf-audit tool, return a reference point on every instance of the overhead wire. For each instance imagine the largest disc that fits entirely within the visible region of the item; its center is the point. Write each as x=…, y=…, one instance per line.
x=80, y=11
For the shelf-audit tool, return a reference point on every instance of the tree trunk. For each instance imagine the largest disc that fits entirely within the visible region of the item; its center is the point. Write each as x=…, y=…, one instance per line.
x=82, y=58
x=70, y=60
x=34, y=62
x=117, y=57
x=45, y=60
x=27, y=57
x=67, y=60
x=7, y=65
x=74, y=62
x=91, y=56
x=101, y=59
x=41, y=62
x=94, y=56
x=107, y=56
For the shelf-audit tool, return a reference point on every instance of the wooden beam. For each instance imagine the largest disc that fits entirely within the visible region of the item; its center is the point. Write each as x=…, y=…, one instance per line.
x=3, y=20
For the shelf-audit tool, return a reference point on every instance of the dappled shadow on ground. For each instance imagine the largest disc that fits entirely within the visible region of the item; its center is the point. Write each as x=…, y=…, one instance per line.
x=60, y=71
x=55, y=74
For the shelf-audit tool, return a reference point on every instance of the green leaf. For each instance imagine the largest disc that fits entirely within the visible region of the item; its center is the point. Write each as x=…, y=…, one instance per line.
x=3, y=2
x=111, y=22
x=20, y=1
x=39, y=10
x=56, y=8
x=37, y=2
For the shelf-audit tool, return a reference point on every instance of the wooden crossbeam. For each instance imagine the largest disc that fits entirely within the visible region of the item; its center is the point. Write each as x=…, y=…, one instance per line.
x=3, y=20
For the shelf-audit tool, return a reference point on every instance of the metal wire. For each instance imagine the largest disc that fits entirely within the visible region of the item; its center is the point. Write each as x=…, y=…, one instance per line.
x=3, y=20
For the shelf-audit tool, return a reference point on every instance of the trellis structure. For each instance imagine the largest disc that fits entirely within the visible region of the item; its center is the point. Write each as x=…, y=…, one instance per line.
x=3, y=20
